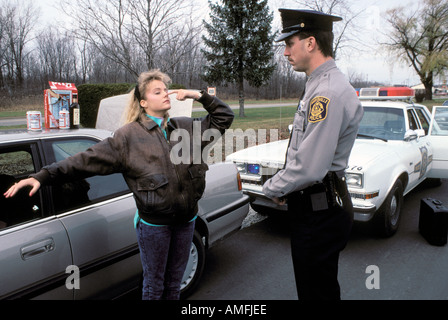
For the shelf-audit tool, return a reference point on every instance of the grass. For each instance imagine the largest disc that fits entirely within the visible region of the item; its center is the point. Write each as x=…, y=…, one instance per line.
x=262, y=118
x=256, y=118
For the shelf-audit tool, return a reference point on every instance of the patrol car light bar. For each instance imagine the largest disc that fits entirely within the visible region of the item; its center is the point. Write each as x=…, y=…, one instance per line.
x=386, y=93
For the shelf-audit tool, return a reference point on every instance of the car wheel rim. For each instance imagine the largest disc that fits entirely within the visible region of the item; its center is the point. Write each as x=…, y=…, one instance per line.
x=394, y=210
x=191, y=268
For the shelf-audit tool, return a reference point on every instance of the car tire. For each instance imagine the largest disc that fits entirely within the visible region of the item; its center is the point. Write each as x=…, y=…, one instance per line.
x=195, y=266
x=388, y=216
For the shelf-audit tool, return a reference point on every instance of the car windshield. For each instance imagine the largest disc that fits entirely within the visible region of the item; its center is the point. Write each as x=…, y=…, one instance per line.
x=382, y=123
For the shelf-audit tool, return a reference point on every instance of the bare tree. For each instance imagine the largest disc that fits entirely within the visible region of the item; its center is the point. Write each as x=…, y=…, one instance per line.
x=57, y=55
x=132, y=32
x=85, y=60
x=18, y=19
x=3, y=47
x=155, y=23
x=184, y=40
x=104, y=25
x=346, y=32
x=420, y=38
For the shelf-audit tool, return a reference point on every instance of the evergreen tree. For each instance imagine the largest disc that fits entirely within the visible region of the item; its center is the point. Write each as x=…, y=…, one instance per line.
x=240, y=44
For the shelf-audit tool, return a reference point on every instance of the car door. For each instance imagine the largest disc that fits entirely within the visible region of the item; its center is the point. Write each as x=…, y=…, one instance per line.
x=98, y=214
x=438, y=135
x=419, y=149
x=34, y=247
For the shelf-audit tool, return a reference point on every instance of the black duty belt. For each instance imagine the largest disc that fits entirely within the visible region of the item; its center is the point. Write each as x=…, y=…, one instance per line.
x=331, y=192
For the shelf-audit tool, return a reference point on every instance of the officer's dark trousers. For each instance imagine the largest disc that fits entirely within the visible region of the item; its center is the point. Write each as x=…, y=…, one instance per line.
x=317, y=238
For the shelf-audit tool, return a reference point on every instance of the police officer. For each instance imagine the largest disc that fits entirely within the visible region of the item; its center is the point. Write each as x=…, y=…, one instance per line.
x=312, y=181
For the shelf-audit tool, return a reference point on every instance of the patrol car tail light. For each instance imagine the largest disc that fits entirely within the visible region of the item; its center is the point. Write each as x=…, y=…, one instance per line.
x=400, y=93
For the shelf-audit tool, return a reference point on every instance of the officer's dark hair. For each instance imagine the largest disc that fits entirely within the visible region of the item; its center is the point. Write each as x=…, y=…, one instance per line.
x=324, y=40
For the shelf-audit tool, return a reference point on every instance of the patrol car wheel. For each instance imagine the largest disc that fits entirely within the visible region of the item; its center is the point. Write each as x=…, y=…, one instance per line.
x=388, y=217
x=195, y=266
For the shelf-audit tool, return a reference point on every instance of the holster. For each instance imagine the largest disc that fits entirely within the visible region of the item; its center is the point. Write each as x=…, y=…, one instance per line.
x=331, y=192
x=335, y=181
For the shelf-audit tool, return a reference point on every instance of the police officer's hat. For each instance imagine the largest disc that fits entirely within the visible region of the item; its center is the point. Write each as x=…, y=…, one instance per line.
x=295, y=21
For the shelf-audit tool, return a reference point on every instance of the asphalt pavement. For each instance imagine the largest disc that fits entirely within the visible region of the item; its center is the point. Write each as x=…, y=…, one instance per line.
x=255, y=263
x=6, y=122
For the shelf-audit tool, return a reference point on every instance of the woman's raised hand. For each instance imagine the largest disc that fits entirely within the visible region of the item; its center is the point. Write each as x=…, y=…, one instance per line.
x=182, y=94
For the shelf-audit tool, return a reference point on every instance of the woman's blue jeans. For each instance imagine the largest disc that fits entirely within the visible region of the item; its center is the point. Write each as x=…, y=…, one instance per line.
x=164, y=251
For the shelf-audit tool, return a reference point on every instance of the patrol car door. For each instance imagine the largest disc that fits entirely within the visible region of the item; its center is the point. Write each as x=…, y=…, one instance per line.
x=418, y=153
x=438, y=134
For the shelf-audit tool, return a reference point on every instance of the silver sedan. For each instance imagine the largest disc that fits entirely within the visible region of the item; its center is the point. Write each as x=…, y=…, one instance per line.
x=76, y=240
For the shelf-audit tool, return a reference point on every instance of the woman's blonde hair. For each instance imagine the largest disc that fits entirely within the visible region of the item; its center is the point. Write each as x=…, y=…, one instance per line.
x=134, y=110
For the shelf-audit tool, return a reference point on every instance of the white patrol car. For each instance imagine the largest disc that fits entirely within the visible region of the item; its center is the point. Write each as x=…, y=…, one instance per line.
x=398, y=146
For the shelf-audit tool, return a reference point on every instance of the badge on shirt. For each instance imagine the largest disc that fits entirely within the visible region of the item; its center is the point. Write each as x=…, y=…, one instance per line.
x=318, y=109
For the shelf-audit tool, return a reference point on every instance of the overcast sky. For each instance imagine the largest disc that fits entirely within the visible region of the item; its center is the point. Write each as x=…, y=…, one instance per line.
x=374, y=65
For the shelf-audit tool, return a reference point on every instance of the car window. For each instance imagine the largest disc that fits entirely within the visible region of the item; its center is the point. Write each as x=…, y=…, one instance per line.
x=17, y=163
x=384, y=123
x=413, y=124
x=69, y=196
x=423, y=120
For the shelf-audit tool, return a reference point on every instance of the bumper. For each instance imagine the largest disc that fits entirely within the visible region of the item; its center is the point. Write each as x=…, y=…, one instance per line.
x=362, y=212
x=259, y=199
x=224, y=221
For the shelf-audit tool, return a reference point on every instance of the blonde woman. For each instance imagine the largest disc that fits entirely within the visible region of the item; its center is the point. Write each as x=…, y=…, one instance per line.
x=166, y=194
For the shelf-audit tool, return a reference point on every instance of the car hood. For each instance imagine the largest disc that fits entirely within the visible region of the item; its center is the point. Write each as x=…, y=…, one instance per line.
x=365, y=152
x=269, y=155
x=273, y=154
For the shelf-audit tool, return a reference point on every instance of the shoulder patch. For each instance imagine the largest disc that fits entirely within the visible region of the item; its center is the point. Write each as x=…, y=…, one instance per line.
x=318, y=109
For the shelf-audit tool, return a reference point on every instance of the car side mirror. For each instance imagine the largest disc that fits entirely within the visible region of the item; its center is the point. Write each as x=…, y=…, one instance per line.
x=414, y=134
x=420, y=133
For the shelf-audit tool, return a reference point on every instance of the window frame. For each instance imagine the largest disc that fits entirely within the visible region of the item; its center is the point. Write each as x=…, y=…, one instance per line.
x=33, y=147
x=412, y=116
x=50, y=158
x=420, y=113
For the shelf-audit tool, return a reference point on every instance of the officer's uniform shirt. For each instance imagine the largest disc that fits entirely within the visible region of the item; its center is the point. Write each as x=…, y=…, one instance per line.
x=324, y=130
